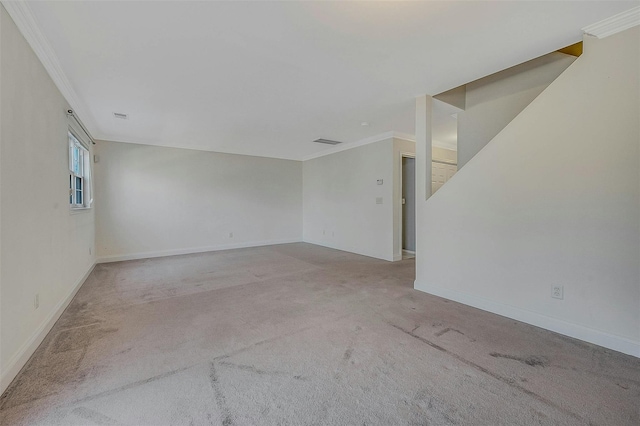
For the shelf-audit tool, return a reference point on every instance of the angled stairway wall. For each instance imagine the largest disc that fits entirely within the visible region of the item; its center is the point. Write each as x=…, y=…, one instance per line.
x=493, y=101
x=554, y=198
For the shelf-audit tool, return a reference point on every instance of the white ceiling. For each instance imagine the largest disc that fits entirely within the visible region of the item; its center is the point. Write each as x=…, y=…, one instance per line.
x=267, y=78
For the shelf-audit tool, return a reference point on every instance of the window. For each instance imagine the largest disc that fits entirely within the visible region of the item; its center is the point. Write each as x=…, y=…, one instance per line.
x=79, y=174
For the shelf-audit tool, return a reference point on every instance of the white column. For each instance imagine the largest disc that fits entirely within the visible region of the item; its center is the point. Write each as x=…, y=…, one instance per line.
x=424, y=108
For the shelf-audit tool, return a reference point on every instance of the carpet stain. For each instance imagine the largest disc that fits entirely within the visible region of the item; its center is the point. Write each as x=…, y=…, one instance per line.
x=79, y=337
x=252, y=369
x=94, y=416
x=249, y=368
x=124, y=351
x=129, y=386
x=446, y=330
x=492, y=374
x=533, y=361
x=76, y=308
x=12, y=397
x=24, y=391
x=377, y=385
x=347, y=354
x=227, y=419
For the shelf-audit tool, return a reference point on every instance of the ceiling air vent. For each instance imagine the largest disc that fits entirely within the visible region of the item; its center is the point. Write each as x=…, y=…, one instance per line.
x=120, y=115
x=327, y=141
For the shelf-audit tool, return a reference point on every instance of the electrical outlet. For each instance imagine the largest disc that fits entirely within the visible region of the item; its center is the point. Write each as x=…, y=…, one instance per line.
x=557, y=291
x=379, y=200
x=36, y=301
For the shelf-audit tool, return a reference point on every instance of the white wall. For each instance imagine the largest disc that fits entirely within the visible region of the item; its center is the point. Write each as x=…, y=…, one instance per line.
x=492, y=102
x=44, y=248
x=154, y=201
x=553, y=199
x=339, y=201
x=443, y=154
x=354, y=223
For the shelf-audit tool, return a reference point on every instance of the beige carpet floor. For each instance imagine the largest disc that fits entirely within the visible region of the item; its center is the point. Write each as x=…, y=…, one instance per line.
x=298, y=334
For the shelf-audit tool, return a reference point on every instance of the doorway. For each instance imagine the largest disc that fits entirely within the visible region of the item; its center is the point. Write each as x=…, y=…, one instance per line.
x=408, y=206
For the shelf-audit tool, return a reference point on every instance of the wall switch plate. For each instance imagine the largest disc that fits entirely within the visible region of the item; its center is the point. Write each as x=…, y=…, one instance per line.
x=378, y=200
x=230, y=234
x=557, y=291
x=380, y=181
x=36, y=301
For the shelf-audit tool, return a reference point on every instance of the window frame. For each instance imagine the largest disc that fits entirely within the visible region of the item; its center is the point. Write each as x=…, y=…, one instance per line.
x=76, y=144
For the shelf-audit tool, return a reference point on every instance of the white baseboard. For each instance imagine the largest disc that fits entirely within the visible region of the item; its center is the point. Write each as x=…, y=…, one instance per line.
x=601, y=338
x=335, y=247
x=192, y=250
x=400, y=256
x=20, y=358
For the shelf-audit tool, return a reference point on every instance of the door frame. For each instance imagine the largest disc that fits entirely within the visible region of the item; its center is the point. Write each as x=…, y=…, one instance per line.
x=401, y=221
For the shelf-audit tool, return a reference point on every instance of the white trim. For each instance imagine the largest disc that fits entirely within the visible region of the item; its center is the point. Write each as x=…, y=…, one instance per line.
x=396, y=255
x=20, y=358
x=192, y=250
x=601, y=338
x=615, y=24
x=404, y=136
x=325, y=244
x=24, y=19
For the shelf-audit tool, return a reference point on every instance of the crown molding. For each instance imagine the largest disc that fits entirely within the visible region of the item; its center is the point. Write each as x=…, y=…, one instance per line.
x=614, y=24
x=404, y=136
x=26, y=22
